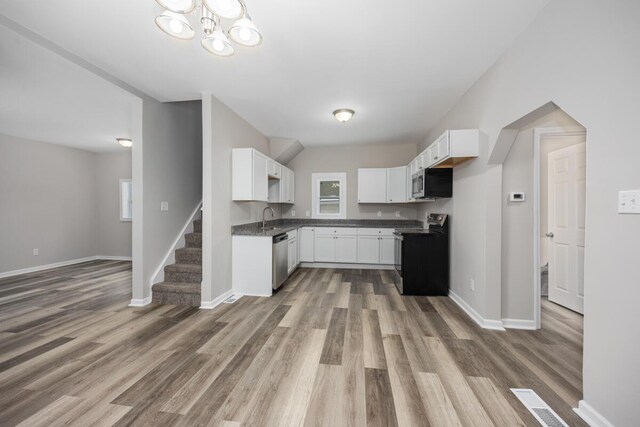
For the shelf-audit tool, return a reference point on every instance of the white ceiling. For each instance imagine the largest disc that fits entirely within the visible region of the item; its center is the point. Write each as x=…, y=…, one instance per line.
x=400, y=64
x=47, y=98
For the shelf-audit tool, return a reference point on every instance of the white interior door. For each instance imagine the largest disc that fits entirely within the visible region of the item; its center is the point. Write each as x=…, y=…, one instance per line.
x=567, y=191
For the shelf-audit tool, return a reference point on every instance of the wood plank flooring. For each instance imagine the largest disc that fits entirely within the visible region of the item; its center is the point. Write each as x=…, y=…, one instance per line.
x=332, y=348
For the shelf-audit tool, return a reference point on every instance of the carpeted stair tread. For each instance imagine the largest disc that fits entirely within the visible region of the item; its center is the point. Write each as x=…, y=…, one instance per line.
x=189, y=256
x=187, y=288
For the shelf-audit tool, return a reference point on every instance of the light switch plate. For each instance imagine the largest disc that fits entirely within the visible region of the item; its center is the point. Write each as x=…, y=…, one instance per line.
x=307, y=213
x=629, y=202
x=36, y=252
x=164, y=206
x=379, y=213
x=397, y=214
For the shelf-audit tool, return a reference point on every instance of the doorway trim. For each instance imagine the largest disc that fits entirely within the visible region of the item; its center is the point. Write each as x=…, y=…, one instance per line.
x=538, y=134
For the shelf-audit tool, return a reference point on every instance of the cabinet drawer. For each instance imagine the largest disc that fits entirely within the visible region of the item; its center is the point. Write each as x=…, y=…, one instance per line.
x=337, y=231
x=375, y=232
x=293, y=234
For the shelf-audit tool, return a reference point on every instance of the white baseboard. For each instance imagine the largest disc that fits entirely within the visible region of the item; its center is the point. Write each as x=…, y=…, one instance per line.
x=529, y=325
x=252, y=295
x=170, y=256
x=591, y=416
x=347, y=266
x=209, y=305
x=60, y=264
x=114, y=258
x=482, y=322
x=140, y=302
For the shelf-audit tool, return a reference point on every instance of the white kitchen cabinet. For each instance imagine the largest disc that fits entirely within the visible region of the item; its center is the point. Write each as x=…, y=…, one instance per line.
x=293, y=254
x=372, y=185
x=249, y=175
x=346, y=249
x=306, y=243
x=274, y=169
x=454, y=147
x=376, y=246
x=325, y=248
x=387, y=250
x=368, y=249
x=289, y=182
x=397, y=185
x=409, y=186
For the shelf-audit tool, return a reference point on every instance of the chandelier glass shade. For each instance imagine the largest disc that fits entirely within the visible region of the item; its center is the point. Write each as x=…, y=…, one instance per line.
x=242, y=31
x=175, y=25
x=178, y=6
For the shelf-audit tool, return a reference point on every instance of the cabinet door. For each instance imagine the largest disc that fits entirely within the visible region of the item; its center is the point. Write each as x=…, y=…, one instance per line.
x=291, y=186
x=397, y=185
x=306, y=242
x=274, y=168
x=325, y=249
x=284, y=186
x=260, y=179
x=387, y=247
x=293, y=255
x=346, y=249
x=372, y=185
x=369, y=249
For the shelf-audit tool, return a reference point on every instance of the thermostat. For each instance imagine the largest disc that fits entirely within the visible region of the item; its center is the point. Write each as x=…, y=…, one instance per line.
x=516, y=197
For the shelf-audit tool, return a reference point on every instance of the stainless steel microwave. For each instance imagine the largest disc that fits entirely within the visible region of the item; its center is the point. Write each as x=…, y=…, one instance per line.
x=432, y=183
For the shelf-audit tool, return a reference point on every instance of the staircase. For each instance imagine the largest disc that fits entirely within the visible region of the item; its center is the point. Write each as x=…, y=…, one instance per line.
x=181, y=284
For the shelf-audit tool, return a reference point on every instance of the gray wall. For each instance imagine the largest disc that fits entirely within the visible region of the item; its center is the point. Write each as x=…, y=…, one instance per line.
x=223, y=131
x=62, y=201
x=349, y=159
x=171, y=164
x=583, y=56
x=113, y=235
x=517, y=218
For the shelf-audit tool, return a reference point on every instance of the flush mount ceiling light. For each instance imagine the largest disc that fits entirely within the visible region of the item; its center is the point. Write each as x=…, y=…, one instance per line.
x=243, y=31
x=125, y=142
x=175, y=25
x=343, y=115
x=178, y=6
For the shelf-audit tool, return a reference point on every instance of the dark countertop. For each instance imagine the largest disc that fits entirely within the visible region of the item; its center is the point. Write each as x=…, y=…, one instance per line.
x=289, y=224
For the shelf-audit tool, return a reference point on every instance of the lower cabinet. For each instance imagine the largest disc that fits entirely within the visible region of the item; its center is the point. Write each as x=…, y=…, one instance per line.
x=346, y=249
x=336, y=245
x=306, y=243
x=376, y=246
x=293, y=255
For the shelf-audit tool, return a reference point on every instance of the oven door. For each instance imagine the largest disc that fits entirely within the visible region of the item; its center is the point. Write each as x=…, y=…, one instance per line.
x=398, y=239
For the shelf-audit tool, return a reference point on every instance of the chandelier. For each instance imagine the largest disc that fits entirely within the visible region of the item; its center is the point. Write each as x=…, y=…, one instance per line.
x=173, y=21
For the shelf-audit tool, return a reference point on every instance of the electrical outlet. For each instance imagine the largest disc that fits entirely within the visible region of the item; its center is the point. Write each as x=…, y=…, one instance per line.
x=307, y=213
x=293, y=213
x=164, y=206
x=36, y=252
x=379, y=213
x=426, y=214
x=397, y=214
x=472, y=284
x=629, y=202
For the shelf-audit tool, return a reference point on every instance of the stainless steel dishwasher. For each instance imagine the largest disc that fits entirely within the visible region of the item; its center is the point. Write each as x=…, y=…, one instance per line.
x=280, y=260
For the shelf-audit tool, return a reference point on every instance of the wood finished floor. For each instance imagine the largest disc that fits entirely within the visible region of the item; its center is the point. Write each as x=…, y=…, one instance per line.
x=333, y=348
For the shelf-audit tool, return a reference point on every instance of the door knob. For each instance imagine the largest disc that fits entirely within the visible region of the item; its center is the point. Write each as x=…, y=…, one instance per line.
x=549, y=234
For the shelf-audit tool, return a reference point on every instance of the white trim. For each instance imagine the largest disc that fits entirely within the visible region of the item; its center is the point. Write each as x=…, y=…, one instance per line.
x=170, y=257
x=123, y=219
x=60, y=264
x=315, y=196
x=140, y=302
x=348, y=266
x=495, y=325
x=538, y=133
x=527, y=324
x=209, y=305
x=591, y=416
x=244, y=294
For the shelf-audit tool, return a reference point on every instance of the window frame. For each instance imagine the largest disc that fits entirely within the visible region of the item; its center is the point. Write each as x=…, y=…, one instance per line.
x=316, y=178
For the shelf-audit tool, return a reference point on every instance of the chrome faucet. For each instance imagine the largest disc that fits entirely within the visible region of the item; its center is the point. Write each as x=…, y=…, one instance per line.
x=264, y=221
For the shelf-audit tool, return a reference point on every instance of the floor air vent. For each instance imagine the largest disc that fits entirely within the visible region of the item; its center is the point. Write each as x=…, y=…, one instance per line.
x=538, y=408
x=232, y=299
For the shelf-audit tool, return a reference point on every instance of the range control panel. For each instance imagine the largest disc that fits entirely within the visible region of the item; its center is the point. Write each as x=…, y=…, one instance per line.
x=436, y=220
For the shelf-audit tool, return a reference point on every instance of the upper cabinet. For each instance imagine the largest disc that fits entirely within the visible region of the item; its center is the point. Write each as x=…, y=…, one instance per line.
x=452, y=148
x=397, y=185
x=372, y=185
x=256, y=177
x=382, y=185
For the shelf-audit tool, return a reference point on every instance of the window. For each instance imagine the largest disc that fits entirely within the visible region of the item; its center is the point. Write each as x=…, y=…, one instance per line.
x=329, y=195
x=126, y=201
